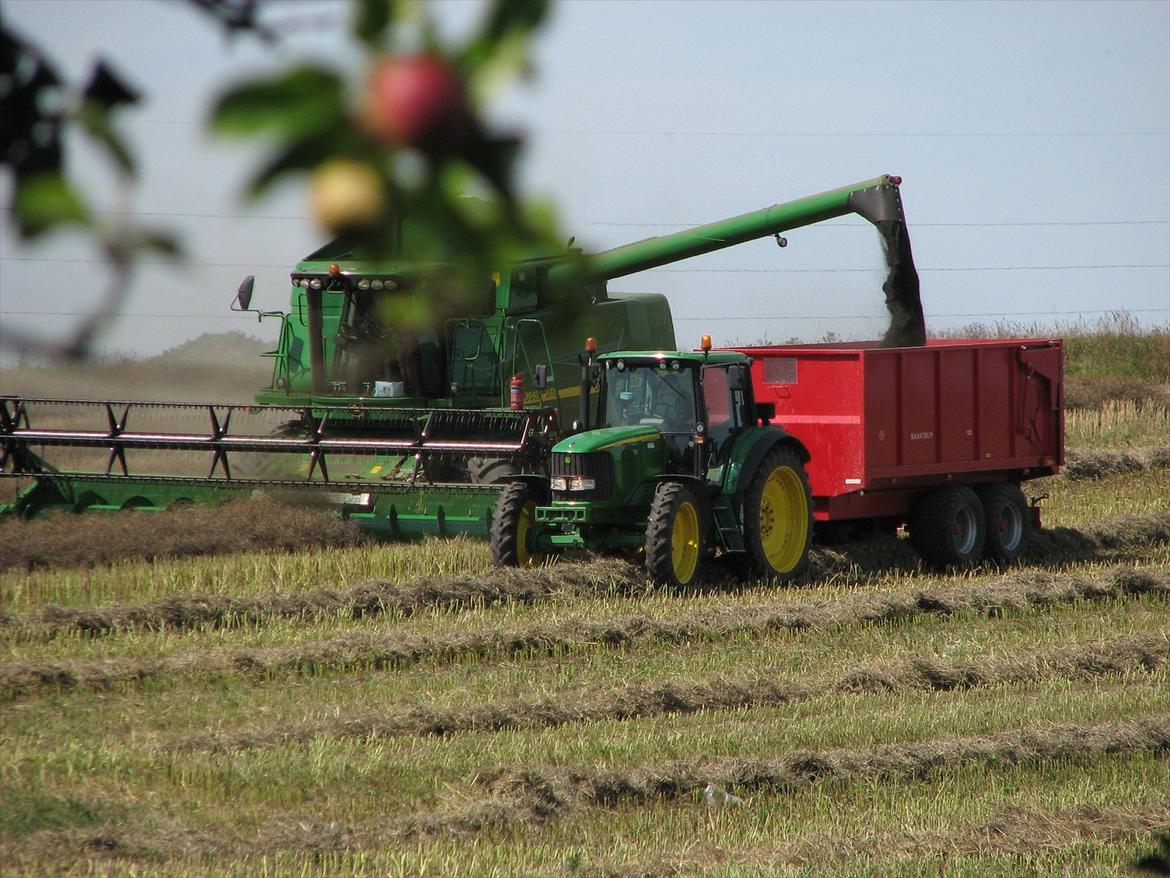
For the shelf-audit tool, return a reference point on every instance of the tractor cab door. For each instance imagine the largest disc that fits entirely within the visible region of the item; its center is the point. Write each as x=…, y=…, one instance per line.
x=725, y=404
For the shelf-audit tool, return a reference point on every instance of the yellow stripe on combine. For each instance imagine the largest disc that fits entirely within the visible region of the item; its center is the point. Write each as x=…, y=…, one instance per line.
x=629, y=440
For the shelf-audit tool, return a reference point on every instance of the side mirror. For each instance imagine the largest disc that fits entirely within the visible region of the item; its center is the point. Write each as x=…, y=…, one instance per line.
x=765, y=411
x=244, y=294
x=736, y=379
x=540, y=375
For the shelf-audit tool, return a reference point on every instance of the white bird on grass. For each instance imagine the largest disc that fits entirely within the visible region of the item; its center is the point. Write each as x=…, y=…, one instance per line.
x=717, y=797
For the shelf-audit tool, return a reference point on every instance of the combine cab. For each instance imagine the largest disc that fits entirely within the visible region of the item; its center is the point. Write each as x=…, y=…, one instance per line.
x=406, y=430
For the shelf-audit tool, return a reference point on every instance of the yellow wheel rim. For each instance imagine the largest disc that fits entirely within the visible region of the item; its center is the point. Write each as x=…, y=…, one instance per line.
x=783, y=519
x=684, y=542
x=524, y=557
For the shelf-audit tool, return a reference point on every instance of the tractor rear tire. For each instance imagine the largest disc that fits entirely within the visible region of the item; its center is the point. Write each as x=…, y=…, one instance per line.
x=1008, y=522
x=513, y=522
x=675, y=537
x=777, y=517
x=948, y=527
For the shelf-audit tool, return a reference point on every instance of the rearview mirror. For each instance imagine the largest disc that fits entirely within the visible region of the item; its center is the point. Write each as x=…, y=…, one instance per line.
x=735, y=378
x=540, y=376
x=244, y=295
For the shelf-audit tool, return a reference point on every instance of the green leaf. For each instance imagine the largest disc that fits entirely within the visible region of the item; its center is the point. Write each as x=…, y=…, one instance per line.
x=374, y=18
x=507, y=28
x=46, y=201
x=95, y=118
x=158, y=242
x=299, y=156
x=302, y=101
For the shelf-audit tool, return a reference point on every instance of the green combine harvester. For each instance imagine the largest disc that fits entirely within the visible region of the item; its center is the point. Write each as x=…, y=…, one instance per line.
x=404, y=432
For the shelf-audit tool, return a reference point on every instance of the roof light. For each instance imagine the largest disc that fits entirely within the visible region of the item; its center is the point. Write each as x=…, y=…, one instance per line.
x=376, y=284
x=334, y=269
x=705, y=343
x=897, y=181
x=364, y=283
x=591, y=345
x=315, y=283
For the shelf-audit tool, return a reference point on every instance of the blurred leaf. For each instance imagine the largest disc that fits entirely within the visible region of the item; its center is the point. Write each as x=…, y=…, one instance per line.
x=302, y=101
x=373, y=19
x=45, y=201
x=300, y=156
x=96, y=120
x=159, y=242
x=508, y=25
x=106, y=89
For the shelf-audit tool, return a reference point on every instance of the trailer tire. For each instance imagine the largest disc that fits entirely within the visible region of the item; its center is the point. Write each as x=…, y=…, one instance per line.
x=948, y=527
x=675, y=537
x=777, y=517
x=1008, y=522
x=512, y=523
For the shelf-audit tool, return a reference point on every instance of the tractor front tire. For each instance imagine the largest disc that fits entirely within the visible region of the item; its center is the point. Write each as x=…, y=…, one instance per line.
x=514, y=521
x=777, y=517
x=675, y=538
x=1008, y=522
x=948, y=527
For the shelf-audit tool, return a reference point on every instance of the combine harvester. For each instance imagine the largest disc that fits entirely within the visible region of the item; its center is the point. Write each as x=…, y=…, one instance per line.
x=445, y=430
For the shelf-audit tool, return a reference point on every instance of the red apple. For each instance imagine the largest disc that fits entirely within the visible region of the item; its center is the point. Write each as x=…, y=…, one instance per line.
x=414, y=101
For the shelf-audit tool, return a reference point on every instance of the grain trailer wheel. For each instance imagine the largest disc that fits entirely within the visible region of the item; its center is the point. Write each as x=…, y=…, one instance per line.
x=947, y=527
x=513, y=524
x=1007, y=520
x=777, y=517
x=674, y=535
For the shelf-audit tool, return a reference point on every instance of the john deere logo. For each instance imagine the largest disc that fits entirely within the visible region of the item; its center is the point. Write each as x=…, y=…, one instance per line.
x=568, y=460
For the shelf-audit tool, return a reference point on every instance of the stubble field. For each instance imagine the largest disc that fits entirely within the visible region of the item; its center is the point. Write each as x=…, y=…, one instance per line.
x=355, y=708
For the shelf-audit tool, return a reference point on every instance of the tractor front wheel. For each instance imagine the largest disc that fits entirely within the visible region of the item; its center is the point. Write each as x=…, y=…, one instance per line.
x=947, y=527
x=674, y=535
x=514, y=524
x=777, y=517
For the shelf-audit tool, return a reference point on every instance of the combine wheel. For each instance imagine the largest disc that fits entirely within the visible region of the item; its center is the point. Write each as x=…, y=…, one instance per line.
x=1008, y=522
x=513, y=524
x=490, y=470
x=674, y=535
x=947, y=527
x=777, y=517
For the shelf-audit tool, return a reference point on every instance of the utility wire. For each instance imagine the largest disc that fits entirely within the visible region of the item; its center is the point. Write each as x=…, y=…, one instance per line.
x=746, y=317
x=661, y=270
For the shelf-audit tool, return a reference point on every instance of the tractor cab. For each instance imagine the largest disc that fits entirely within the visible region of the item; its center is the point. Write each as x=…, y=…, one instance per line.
x=697, y=402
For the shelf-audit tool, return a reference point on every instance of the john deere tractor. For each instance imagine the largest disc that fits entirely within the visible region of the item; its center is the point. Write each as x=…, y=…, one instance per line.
x=682, y=463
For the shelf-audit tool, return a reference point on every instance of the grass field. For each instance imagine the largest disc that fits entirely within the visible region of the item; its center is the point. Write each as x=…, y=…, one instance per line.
x=354, y=708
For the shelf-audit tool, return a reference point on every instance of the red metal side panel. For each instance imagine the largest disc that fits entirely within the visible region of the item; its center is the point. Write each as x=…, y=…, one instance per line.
x=818, y=398
x=884, y=423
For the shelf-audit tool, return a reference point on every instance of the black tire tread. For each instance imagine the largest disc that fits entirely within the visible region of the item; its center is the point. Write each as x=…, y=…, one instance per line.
x=668, y=496
x=993, y=497
x=932, y=522
x=506, y=520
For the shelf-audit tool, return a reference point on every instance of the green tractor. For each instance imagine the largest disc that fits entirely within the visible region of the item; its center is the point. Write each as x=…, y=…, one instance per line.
x=682, y=462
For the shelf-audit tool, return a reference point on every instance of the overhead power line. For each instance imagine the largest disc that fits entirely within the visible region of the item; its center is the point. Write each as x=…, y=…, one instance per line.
x=240, y=316
x=639, y=132
x=661, y=270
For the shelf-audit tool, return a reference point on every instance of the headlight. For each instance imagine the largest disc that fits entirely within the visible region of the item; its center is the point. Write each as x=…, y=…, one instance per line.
x=376, y=285
x=364, y=284
x=557, y=483
x=315, y=284
x=580, y=484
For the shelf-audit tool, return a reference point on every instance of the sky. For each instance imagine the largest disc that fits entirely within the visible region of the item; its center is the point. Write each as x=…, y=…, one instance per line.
x=1033, y=140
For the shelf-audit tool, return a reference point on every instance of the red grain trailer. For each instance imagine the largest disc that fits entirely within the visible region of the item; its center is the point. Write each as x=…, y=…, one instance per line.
x=937, y=437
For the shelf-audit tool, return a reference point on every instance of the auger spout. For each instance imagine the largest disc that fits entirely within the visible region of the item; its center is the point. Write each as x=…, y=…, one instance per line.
x=877, y=200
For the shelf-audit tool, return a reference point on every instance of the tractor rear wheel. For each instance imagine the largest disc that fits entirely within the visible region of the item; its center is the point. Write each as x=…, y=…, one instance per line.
x=777, y=517
x=513, y=524
x=674, y=535
x=1008, y=522
x=947, y=527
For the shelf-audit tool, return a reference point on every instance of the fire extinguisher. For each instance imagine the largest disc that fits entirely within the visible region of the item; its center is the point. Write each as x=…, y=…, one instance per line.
x=516, y=393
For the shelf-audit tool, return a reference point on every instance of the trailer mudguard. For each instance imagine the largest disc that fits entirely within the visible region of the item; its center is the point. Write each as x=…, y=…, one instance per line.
x=749, y=450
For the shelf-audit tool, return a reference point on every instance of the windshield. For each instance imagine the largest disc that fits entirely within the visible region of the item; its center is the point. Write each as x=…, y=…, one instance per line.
x=646, y=394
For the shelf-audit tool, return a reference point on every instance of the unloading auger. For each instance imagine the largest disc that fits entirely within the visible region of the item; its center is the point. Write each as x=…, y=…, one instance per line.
x=407, y=433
